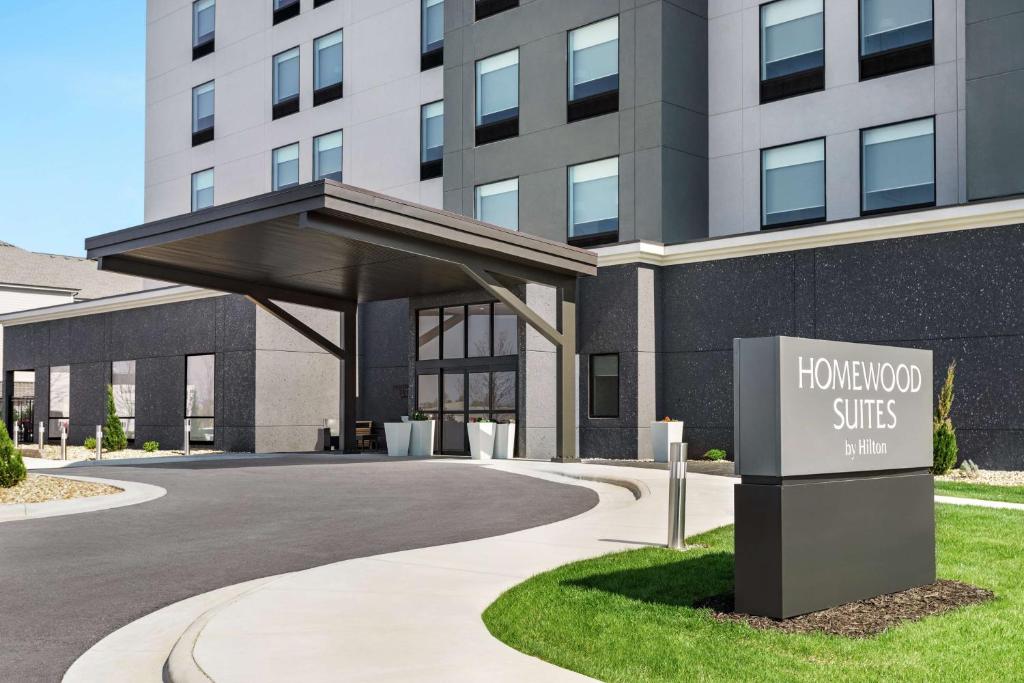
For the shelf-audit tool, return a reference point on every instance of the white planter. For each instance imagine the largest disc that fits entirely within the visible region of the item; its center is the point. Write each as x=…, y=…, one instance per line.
x=398, y=435
x=663, y=434
x=504, y=441
x=422, y=443
x=481, y=440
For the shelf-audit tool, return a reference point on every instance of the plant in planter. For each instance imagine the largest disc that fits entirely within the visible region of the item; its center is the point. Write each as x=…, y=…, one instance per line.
x=944, y=446
x=481, y=431
x=663, y=433
x=421, y=440
x=114, y=438
x=715, y=454
x=505, y=440
x=12, y=467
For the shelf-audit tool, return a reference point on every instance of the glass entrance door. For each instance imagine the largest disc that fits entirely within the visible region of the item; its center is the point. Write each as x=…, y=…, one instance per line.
x=466, y=395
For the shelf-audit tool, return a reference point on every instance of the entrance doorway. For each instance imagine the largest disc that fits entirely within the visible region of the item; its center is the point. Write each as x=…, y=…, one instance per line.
x=457, y=396
x=21, y=400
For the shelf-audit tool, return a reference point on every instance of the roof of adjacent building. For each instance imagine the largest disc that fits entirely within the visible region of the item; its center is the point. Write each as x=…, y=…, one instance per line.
x=22, y=268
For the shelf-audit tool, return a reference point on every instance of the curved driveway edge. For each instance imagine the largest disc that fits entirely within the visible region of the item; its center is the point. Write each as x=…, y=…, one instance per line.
x=132, y=493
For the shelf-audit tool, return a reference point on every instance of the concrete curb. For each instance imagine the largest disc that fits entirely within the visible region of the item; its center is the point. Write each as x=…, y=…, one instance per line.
x=132, y=493
x=40, y=464
x=977, y=502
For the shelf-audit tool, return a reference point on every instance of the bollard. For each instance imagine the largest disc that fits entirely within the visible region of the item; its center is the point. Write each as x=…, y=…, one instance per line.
x=63, y=442
x=188, y=437
x=677, y=496
x=99, y=442
x=42, y=437
x=17, y=433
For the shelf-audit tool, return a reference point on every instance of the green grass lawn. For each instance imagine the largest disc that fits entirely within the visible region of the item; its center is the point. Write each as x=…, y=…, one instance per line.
x=628, y=617
x=965, y=489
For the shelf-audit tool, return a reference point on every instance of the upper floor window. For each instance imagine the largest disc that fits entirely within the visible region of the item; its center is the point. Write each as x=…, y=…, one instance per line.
x=895, y=36
x=498, y=203
x=497, y=97
x=328, y=68
x=317, y=3
x=792, y=48
x=327, y=156
x=202, y=189
x=285, y=9
x=594, y=202
x=286, y=83
x=204, y=24
x=286, y=166
x=898, y=166
x=432, y=140
x=432, y=40
x=203, y=98
x=487, y=8
x=793, y=184
x=594, y=70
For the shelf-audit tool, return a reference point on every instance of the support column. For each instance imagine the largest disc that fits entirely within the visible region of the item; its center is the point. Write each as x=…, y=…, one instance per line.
x=566, y=381
x=348, y=375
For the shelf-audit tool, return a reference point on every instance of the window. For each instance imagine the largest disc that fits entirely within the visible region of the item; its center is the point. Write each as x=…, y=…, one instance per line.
x=204, y=25
x=487, y=8
x=285, y=9
x=60, y=401
x=594, y=202
x=506, y=331
x=122, y=384
x=453, y=332
x=202, y=189
x=432, y=41
x=286, y=166
x=478, y=331
x=428, y=330
x=793, y=184
x=594, y=70
x=432, y=141
x=604, y=385
x=317, y=3
x=473, y=331
x=497, y=97
x=895, y=36
x=898, y=166
x=199, y=397
x=327, y=155
x=328, y=68
x=792, y=48
x=286, y=83
x=498, y=203
x=202, y=113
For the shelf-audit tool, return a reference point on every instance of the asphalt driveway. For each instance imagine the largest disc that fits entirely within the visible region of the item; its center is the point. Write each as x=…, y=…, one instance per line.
x=67, y=582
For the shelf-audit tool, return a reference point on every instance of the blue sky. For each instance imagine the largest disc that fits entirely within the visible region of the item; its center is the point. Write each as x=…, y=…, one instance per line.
x=72, y=120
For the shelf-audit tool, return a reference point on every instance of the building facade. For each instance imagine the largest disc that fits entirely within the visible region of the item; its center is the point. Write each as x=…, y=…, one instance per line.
x=843, y=169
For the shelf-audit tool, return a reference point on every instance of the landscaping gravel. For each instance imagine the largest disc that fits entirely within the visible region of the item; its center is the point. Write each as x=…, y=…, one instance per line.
x=40, y=488
x=992, y=477
x=79, y=453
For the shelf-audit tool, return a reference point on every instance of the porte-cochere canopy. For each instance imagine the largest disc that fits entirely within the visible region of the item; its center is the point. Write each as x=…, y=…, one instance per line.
x=334, y=246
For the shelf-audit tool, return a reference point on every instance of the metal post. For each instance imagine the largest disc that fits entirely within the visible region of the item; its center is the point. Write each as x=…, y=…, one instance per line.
x=188, y=437
x=63, y=442
x=99, y=442
x=42, y=437
x=677, y=496
x=17, y=432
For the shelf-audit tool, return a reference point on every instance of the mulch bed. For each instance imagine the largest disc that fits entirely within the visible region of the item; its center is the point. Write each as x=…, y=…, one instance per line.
x=864, y=618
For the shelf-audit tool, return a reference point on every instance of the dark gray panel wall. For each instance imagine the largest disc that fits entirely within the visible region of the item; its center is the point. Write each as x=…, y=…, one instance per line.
x=158, y=338
x=384, y=360
x=995, y=98
x=659, y=133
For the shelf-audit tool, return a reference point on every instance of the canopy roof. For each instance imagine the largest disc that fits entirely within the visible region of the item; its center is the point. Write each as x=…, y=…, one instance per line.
x=325, y=242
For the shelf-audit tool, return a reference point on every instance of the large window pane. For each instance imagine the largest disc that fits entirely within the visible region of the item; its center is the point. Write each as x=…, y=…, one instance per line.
x=199, y=396
x=429, y=334
x=286, y=75
x=506, y=331
x=793, y=183
x=327, y=156
x=328, y=64
x=202, y=107
x=497, y=88
x=433, y=25
x=60, y=400
x=453, y=433
x=427, y=398
x=204, y=21
x=480, y=391
x=286, y=166
x=899, y=166
x=604, y=385
x=594, y=59
x=432, y=132
x=122, y=383
x=454, y=325
x=792, y=37
x=888, y=25
x=498, y=204
x=479, y=331
x=594, y=198
x=454, y=391
x=504, y=389
x=202, y=189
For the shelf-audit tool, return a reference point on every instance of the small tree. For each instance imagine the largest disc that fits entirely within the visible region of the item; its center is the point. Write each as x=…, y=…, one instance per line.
x=12, y=467
x=944, y=446
x=114, y=438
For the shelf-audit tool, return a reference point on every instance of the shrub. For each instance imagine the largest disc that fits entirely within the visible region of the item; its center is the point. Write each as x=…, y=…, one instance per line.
x=114, y=438
x=944, y=446
x=12, y=467
x=969, y=469
x=89, y=443
x=151, y=446
x=715, y=454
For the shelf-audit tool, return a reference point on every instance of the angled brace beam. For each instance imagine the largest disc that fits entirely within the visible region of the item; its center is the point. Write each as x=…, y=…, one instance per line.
x=299, y=326
x=507, y=297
